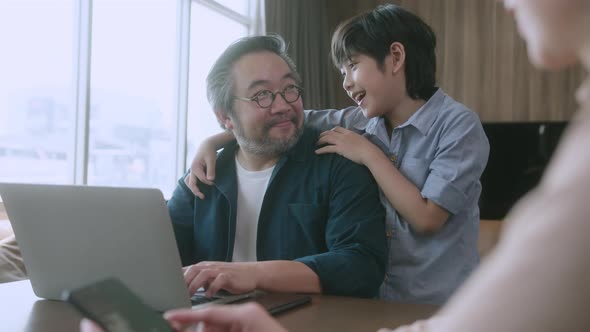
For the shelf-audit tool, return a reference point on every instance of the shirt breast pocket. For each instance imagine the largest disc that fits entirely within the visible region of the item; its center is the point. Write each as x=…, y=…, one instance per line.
x=416, y=170
x=306, y=227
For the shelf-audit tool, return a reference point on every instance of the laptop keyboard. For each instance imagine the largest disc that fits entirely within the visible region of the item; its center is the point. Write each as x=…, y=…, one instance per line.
x=200, y=298
x=221, y=297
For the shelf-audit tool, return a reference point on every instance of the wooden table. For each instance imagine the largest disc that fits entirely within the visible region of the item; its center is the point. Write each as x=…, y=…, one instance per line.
x=21, y=310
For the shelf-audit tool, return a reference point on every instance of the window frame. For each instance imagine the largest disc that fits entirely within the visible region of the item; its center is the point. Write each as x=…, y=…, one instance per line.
x=81, y=96
x=82, y=79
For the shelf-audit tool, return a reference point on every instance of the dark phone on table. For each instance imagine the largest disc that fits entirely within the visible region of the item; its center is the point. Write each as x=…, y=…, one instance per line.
x=276, y=303
x=115, y=308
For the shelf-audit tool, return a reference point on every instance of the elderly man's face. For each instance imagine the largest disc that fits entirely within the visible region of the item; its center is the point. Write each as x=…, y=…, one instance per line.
x=264, y=131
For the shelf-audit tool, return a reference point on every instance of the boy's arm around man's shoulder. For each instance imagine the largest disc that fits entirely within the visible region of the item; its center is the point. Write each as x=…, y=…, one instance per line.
x=355, y=234
x=350, y=118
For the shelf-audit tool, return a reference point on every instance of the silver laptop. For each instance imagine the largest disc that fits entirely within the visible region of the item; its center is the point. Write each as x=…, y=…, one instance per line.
x=71, y=236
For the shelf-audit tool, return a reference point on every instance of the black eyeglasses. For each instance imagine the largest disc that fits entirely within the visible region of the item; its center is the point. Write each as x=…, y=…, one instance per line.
x=265, y=98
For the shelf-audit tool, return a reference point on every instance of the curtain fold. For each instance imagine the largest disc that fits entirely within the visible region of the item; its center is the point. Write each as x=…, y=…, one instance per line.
x=303, y=24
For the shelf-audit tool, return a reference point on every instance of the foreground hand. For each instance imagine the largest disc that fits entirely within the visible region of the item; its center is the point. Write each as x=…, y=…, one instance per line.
x=87, y=325
x=432, y=324
x=248, y=317
x=235, y=278
x=347, y=144
x=202, y=168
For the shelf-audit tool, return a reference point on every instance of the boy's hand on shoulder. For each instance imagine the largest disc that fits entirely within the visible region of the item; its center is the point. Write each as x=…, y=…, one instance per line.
x=347, y=144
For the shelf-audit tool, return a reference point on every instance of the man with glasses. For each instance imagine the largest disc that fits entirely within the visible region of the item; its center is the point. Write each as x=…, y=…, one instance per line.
x=280, y=218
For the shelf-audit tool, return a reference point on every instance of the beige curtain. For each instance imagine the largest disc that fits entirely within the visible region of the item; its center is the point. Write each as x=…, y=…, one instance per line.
x=303, y=24
x=483, y=62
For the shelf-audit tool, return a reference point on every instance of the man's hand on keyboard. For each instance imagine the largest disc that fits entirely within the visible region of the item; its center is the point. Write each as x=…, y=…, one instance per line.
x=235, y=278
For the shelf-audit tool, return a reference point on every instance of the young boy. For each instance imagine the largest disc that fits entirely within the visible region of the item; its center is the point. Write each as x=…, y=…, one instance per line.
x=425, y=150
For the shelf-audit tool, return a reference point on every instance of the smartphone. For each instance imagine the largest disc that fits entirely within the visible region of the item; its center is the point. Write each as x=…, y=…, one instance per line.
x=276, y=303
x=280, y=302
x=115, y=308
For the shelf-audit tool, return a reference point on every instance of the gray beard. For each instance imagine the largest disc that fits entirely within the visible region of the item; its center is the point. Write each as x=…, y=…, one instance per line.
x=266, y=146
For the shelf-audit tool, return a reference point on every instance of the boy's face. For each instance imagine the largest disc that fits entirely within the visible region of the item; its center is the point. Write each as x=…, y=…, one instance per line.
x=376, y=89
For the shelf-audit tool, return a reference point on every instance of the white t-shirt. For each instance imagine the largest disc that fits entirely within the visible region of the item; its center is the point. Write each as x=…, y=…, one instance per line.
x=251, y=189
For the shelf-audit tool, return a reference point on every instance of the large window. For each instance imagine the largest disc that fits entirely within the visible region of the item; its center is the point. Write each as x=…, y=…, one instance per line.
x=36, y=81
x=205, y=48
x=132, y=115
x=109, y=92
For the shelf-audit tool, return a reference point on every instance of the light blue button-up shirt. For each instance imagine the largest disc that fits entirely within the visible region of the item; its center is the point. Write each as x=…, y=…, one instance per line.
x=443, y=150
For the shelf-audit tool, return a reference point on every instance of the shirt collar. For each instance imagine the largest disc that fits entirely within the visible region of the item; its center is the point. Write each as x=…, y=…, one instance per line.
x=422, y=119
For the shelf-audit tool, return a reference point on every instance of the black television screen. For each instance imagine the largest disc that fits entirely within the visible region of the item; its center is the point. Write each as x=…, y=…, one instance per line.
x=519, y=153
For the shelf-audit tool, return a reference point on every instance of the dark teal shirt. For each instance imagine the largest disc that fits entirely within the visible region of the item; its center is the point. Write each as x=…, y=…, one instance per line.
x=321, y=210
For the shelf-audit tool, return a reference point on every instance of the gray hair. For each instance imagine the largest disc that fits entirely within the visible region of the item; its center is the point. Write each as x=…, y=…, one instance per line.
x=220, y=81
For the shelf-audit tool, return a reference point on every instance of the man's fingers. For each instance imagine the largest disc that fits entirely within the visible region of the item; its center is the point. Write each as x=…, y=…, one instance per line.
x=189, y=273
x=222, y=281
x=204, y=277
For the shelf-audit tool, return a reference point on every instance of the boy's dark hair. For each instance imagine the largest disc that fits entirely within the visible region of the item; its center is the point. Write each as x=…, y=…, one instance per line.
x=372, y=33
x=220, y=81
